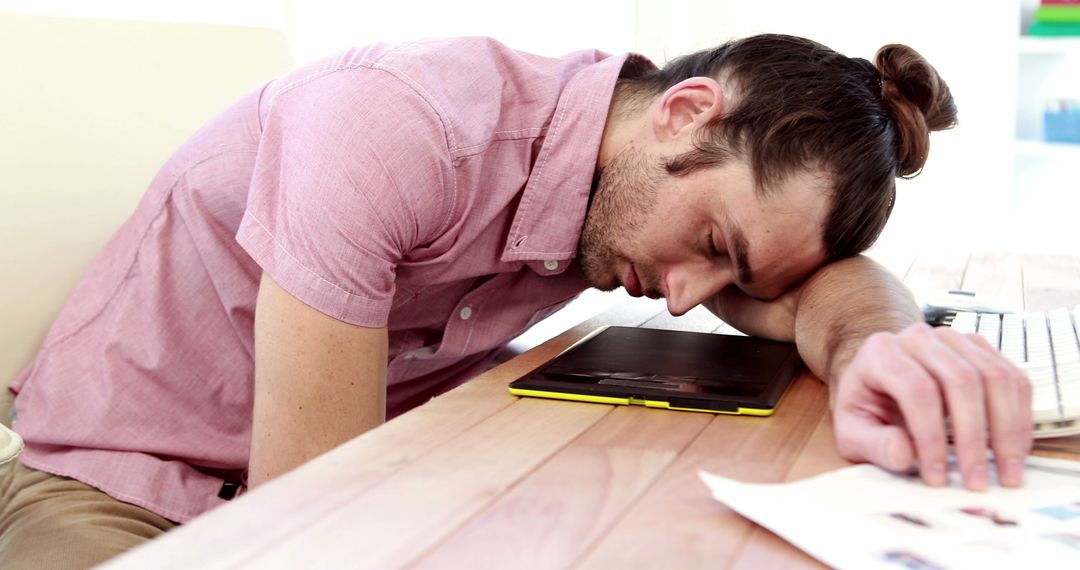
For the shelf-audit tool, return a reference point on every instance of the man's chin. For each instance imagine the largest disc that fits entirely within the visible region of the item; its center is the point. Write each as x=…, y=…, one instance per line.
x=608, y=285
x=605, y=282
x=607, y=288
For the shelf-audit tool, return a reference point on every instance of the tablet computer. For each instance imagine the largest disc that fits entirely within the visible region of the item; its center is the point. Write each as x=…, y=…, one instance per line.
x=678, y=370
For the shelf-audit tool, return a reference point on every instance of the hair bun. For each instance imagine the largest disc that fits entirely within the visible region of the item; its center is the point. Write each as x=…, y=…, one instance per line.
x=919, y=100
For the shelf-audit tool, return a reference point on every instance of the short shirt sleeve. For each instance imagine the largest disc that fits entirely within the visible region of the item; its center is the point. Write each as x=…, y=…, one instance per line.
x=352, y=172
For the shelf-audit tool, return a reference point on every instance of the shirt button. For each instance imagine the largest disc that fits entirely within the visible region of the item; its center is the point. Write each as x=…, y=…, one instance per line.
x=465, y=313
x=551, y=265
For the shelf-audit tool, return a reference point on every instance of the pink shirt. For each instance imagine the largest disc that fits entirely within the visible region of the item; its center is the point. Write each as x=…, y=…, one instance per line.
x=436, y=188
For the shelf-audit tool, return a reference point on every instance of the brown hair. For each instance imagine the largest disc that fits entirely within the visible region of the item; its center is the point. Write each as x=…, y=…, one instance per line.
x=799, y=104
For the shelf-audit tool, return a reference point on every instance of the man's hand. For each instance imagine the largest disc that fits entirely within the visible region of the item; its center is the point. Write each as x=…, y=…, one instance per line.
x=893, y=379
x=890, y=404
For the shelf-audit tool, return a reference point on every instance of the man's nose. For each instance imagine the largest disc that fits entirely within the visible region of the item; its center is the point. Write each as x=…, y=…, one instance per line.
x=690, y=284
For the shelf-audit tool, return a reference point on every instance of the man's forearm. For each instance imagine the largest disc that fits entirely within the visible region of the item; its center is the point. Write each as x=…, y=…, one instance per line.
x=842, y=305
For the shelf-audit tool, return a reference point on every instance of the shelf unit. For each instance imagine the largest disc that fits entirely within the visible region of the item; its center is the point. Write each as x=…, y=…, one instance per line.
x=1047, y=177
x=1047, y=69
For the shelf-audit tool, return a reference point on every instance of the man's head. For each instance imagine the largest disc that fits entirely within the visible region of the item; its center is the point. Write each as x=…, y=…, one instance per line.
x=752, y=164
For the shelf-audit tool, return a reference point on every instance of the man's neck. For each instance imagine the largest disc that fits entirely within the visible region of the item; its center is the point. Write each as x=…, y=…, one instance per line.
x=626, y=123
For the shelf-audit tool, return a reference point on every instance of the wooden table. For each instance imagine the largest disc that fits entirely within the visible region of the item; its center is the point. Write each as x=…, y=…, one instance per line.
x=482, y=479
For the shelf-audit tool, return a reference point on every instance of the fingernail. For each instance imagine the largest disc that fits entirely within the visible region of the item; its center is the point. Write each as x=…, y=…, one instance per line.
x=977, y=477
x=937, y=474
x=1011, y=471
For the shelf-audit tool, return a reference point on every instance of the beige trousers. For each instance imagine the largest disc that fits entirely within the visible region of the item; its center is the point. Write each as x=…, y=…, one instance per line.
x=49, y=522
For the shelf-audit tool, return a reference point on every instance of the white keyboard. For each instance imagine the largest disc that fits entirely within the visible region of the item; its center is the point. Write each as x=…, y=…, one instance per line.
x=1046, y=347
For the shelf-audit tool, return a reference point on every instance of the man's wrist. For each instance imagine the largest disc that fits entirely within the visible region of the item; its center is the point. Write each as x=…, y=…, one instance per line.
x=843, y=305
x=846, y=338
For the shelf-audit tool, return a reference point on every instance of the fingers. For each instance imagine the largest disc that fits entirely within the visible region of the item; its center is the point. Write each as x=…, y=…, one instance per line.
x=921, y=374
x=949, y=359
x=1007, y=403
x=883, y=368
x=868, y=440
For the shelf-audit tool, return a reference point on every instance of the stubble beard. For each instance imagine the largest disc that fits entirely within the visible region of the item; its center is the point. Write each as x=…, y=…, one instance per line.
x=624, y=198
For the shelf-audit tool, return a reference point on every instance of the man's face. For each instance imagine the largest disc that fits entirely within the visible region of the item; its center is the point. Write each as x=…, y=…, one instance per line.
x=686, y=238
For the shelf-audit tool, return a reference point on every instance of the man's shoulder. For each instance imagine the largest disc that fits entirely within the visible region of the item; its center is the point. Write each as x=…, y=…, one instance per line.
x=480, y=89
x=483, y=89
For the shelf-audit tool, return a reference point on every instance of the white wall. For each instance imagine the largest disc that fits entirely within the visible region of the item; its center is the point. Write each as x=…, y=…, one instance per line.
x=255, y=13
x=320, y=27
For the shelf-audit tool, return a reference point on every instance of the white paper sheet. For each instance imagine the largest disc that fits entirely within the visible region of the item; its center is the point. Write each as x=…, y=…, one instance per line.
x=865, y=517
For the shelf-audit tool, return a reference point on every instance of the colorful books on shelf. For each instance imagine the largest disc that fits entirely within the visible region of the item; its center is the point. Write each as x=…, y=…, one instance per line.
x=1056, y=18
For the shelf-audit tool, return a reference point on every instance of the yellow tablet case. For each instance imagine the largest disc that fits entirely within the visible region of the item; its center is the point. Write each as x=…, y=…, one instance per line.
x=676, y=370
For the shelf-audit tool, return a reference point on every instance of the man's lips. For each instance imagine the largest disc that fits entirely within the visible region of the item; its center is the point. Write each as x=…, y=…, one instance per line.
x=631, y=282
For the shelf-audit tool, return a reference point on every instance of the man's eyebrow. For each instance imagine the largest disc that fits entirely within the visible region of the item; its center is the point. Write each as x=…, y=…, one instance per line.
x=742, y=263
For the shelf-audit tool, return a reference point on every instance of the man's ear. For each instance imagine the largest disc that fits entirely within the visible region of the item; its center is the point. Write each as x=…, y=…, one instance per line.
x=686, y=106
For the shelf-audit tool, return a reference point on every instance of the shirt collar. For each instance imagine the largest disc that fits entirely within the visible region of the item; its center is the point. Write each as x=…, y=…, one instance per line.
x=549, y=219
